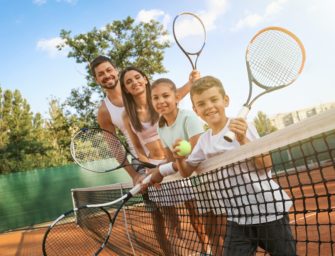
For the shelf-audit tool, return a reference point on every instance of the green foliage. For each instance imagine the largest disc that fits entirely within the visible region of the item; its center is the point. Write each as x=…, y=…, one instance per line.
x=126, y=43
x=263, y=124
x=28, y=141
x=19, y=141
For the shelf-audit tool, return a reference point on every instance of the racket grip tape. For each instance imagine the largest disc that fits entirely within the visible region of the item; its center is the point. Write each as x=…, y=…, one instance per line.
x=230, y=136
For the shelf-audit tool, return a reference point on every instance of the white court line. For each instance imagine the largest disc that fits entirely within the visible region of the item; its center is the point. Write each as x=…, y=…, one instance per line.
x=306, y=217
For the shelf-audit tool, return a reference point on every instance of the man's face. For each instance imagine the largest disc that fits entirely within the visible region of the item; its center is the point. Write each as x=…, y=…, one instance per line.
x=106, y=75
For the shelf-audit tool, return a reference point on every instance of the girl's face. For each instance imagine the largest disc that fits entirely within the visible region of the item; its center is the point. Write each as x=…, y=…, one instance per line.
x=164, y=99
x=134, y=82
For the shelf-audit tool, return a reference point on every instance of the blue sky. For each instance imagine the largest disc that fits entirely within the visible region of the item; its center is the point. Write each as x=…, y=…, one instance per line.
x=29, y=31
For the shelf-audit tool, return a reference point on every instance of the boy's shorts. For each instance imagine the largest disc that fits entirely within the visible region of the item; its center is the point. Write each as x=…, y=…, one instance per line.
x=274, y=237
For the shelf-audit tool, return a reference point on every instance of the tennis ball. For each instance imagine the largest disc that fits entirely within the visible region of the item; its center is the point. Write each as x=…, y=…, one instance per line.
x=185, y=148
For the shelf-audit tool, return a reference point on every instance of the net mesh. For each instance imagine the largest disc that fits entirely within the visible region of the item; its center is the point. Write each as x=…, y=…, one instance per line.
x=233, y=206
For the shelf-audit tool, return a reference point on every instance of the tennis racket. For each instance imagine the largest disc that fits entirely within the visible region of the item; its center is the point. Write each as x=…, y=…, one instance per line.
x=275, y=57
x=190, y=35
x=98, y=150
x=85, y=230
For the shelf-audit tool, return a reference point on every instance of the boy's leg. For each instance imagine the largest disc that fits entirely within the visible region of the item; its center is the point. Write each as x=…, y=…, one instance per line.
x=276, y=238
x=239, y=240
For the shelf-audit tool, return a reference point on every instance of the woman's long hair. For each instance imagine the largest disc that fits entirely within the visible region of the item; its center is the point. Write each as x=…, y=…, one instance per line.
x=129, y=102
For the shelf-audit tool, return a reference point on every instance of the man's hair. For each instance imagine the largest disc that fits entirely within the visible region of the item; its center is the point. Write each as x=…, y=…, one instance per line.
x=97, y=61
x=205, y=83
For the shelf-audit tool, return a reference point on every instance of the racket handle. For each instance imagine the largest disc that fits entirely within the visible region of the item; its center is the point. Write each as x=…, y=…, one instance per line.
x=230, y=136
x=135, y=190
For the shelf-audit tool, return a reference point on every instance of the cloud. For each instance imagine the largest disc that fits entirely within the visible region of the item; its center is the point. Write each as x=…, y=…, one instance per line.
x=254, y=19
x=49, y=46
x=214, y=9
x=39, y=2
x=209, y=16
x=68, y=1
x=154, y=14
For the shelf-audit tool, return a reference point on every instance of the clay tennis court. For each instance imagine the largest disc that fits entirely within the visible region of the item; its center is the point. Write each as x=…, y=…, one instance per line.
x=313, y=224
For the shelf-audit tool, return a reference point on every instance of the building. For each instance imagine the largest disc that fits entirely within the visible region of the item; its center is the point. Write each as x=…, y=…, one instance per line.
x=285, y=119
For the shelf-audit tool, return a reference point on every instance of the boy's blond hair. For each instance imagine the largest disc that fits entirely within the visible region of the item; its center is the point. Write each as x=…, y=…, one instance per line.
x=205, y=83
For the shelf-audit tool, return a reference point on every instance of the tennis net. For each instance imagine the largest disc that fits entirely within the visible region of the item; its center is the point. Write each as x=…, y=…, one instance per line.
x=238, y=201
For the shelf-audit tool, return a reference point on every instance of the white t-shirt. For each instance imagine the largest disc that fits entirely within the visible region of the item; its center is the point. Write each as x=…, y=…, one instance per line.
x=248, y=197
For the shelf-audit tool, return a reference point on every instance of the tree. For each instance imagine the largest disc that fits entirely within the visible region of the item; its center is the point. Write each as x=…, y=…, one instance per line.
x=18, y=145
x=263, y=124
x=60, y=129
x=126, y=43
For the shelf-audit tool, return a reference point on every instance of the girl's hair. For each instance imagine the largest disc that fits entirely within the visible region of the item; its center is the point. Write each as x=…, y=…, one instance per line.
x=129, y=102
x=162, y=122
x=205, y=83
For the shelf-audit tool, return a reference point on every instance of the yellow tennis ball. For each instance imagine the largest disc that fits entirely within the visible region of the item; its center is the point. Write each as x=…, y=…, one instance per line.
x=185, y=148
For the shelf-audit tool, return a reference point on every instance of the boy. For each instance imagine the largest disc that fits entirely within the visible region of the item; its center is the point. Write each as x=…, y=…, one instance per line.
x=256, y=206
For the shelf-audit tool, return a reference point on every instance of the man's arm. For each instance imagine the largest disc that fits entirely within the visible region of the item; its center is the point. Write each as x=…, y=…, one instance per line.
x=105, y=122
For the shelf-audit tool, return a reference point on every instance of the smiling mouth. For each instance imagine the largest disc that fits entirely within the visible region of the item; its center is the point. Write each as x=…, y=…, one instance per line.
x=211, y=113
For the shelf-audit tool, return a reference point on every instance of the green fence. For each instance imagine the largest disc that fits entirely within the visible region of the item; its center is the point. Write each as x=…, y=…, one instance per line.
x=313, y=150
x=38, y=196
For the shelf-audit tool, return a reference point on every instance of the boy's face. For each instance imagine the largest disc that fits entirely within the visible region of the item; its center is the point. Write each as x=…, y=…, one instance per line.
x=210, y=106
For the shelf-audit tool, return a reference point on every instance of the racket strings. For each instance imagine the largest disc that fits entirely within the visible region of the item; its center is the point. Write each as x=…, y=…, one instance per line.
x=84, y=230
x=98, y=150
x=189, y=33
x=274, y=58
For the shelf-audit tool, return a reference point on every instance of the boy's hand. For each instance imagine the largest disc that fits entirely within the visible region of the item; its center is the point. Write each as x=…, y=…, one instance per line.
x=239, y=126
x=194, y=75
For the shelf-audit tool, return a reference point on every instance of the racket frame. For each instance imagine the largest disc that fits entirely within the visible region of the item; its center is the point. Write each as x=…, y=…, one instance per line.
x=124, y=199
x=123, y=163
x=187, y=53
x=243, y=113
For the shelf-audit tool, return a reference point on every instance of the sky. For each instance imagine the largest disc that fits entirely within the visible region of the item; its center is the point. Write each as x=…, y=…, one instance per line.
x=29, y=32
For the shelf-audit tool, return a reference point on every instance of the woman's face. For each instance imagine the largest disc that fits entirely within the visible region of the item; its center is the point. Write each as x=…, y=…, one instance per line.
x=134, y=82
